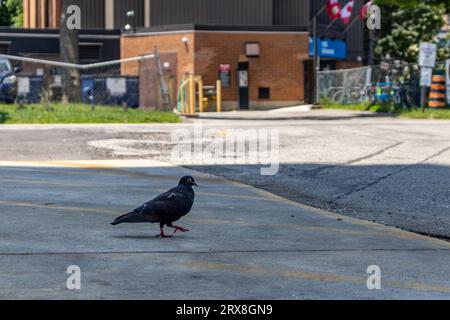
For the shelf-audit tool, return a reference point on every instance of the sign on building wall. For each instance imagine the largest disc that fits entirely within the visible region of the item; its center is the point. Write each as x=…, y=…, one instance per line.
x=243, y=79
x=225, y=74
x=329, y=48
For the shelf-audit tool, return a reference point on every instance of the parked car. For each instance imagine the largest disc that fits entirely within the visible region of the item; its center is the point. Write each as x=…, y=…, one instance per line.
x=8, y=81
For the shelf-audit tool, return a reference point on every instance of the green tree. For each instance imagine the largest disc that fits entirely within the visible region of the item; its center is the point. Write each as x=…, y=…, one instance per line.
x=412, y=3
x=11, y=13
x=405, y=26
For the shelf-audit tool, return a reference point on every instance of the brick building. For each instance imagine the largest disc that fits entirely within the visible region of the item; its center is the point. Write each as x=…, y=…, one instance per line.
x=275, y=79
x=213, y=38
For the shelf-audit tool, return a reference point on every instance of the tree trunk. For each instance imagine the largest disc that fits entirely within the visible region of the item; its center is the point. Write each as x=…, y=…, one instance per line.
x=71, y=86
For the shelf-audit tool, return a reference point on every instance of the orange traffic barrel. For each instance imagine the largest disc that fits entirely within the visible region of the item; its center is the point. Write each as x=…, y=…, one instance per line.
x=438, y=92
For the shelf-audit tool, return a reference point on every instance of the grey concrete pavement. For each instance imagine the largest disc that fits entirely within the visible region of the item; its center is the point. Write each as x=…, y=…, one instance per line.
x=245, y=243
x=393, y=171
x=61, y=185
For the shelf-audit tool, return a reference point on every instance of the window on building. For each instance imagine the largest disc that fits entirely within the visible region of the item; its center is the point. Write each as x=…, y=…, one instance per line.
x=264, y=93
x=90, y=52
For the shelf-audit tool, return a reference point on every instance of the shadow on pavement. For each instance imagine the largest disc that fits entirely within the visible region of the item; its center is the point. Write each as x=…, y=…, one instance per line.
x=412, y=197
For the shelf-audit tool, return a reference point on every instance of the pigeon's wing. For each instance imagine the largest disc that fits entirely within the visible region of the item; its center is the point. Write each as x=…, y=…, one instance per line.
x=169, y=206
x=141, y=214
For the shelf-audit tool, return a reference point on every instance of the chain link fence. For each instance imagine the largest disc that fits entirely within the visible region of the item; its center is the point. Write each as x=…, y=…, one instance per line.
x=392, y=82
x=29, y=81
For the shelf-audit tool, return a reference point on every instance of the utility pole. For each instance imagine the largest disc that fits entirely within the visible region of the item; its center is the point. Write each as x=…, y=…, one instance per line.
x=316, y=55
x=162, y=82
x=371, y=45
x=68, y=44
x=316, y=64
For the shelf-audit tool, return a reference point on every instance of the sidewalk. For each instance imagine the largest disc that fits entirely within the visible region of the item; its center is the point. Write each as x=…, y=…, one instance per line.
x=306, y=112
x=244, y=243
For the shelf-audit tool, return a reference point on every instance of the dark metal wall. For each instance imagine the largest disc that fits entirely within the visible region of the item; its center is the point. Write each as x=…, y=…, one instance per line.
x=237, y=12
x=39, y=41
x=291, y=12
x=354, y=35
x=259, y=12
x=227, y=12
x=121, y=7
x=93, y=13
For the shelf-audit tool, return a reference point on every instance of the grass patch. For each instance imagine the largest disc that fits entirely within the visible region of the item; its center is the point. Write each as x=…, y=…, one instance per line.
x=80, y=113
x=415, y=113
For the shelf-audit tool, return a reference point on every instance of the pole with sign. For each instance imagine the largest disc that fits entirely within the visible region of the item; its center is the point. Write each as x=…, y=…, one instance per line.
x=427, y=61
x=447, y=79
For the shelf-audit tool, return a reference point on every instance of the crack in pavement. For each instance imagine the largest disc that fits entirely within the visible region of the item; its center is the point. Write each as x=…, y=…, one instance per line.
x=314, y=172
x=404, y=168
x=220, y=251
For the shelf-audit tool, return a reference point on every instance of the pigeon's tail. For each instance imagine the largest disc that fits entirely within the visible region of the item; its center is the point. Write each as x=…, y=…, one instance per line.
x=120, y=219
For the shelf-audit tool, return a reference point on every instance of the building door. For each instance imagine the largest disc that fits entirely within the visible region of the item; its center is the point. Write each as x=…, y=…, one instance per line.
x=309, y=82
x=243, y=81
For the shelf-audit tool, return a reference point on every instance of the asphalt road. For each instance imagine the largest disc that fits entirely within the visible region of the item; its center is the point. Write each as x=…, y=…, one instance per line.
x=245, y=242
x=395, y=172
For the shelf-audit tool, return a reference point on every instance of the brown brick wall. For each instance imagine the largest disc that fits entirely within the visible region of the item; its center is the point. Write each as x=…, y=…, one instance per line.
x=132, y=46
x=280, y=66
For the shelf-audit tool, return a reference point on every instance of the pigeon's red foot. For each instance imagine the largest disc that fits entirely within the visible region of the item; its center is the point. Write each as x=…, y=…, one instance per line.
x=163, y=235
x=177, y=228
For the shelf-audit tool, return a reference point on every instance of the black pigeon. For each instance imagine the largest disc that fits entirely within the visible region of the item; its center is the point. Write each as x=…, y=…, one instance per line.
x=165, y=208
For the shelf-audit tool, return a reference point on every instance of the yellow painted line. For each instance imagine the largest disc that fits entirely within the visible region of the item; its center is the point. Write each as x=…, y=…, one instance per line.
x=209, y=265
x=419, y=286
x=218, y=222
x=106, y=168
x=225, y=195
x=71, y=185
x=70, y=164
x=55, y=207
x=53, y=171
x=204, y=221
x=369, y=224
x=310, y=276
x=40, y=182
x=321, y=276
x=333, y=230
x=190, y=220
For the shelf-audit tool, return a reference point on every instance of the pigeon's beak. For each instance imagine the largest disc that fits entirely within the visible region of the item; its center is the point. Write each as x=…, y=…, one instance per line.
x=195, y=184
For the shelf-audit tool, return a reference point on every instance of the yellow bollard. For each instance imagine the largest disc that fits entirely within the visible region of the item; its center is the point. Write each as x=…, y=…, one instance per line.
x=200, y=94
x=191, y=93
x=219, y=95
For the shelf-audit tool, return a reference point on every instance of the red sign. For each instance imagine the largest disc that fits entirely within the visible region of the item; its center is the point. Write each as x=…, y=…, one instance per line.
x=225, y=74
x=225, y=67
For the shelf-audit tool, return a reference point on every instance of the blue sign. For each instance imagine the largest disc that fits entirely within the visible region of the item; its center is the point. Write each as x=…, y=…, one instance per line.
x=329, y=48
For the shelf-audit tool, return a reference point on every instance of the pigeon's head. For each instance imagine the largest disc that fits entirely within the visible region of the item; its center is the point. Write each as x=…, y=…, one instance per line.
x=188, y=181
